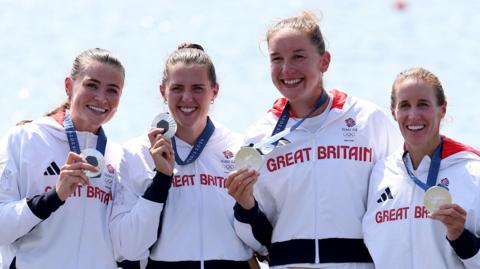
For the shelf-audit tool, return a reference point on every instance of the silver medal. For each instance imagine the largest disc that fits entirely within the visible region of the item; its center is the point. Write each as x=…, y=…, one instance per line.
x=166, y=122
x=248, y=158
x=94, y=158
x=435, y=197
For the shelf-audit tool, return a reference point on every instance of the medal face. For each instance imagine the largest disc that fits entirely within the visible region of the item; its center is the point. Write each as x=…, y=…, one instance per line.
x=435, y=197
x=167, y=123
x=94, y=158
x=248, y=158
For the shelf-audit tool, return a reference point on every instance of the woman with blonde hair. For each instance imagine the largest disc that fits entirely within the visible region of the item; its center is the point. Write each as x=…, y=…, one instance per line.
x=304, y=205
x=424, y=200
x=57, y=174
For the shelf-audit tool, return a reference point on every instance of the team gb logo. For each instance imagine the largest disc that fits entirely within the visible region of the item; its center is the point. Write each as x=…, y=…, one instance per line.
x=350, y=122
x=228, y=154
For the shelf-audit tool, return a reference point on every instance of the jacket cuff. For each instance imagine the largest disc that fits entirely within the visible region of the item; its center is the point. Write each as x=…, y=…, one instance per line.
x=466, y=246
x=158, y=189
x=244, y=215
x=45, y=204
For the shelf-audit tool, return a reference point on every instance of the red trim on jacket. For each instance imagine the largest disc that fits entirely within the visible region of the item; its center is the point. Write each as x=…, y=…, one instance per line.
x=339, y=99
x=451, y=147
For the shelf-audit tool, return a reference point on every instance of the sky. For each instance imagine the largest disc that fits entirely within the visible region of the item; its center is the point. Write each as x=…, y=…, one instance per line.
x=370, y=42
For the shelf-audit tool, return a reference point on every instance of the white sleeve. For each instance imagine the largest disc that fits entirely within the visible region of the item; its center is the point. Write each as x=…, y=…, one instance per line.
x=474, y=225
x=134, y=219
x=387, y=135
x=7, y=253
x=16, y=218
x=254, y=227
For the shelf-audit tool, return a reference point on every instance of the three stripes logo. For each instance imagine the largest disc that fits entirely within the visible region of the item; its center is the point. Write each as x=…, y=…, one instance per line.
x=52, y=170
x=387, y=194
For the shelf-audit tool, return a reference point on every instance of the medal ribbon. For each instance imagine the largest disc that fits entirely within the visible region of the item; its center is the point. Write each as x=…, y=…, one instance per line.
x=198, y=147
x=432, y=171
x=267, y=145
x=73, y=139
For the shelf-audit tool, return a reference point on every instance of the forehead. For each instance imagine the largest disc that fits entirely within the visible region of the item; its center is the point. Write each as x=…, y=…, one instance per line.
x=103, y=72
x=411, y=88
x=182, y=73
x=288, y=39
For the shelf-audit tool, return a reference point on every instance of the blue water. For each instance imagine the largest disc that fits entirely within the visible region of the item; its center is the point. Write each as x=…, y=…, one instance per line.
x=370, y=42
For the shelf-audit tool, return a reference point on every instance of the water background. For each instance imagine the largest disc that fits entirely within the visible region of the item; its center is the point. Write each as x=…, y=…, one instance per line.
x=370, y=42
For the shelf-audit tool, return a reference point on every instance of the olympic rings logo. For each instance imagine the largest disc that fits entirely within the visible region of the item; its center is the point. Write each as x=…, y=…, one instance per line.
x=229, y=167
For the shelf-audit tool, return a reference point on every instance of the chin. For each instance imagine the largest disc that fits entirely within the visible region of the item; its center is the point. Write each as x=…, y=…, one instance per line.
x=416, y=142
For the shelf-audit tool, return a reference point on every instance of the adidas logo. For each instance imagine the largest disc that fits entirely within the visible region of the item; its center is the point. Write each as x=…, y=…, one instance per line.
x=52, y=170
x=385, y=195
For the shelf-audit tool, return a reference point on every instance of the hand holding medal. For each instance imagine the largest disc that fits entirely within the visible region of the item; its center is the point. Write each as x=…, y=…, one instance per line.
x=163, y=129
x=453, y=217
x=240, y=186
x=72, y=175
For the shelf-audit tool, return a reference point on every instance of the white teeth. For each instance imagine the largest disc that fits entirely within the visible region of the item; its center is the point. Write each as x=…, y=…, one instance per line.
x=292, y=81
x=415, y=127
x=98, y=109
x=187, y=109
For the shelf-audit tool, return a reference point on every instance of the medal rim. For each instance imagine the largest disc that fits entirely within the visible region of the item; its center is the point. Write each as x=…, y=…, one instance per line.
x=101, y=161
x=251, y=152
x=172, y=125
x=430, y=192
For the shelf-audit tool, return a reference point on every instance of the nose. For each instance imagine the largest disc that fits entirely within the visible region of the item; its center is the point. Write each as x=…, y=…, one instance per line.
x=187, y=96
x=101, y=96
x=287, y=67
x=413, y=113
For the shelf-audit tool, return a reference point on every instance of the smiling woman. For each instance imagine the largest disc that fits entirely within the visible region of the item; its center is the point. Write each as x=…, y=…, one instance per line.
x=196, y=227
x=297, y=212
x=418, y=105
x=54, y=190
x=411, y=191
x=94, y=95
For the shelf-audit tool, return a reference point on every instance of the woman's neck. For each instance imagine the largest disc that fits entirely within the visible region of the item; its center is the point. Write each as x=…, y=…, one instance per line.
x=190, y=134
x=302, y=108
x=417, y=153
x=82, y=126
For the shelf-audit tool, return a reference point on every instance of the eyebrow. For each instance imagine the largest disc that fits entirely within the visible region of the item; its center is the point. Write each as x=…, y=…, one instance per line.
x=419, y=100
x=295, y=51
x=99, y=82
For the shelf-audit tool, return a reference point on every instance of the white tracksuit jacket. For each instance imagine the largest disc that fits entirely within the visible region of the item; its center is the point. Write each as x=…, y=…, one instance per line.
x=198, y=217
x=313, y=190
x=76, y=235
x=79, y=233
x=396, y=228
